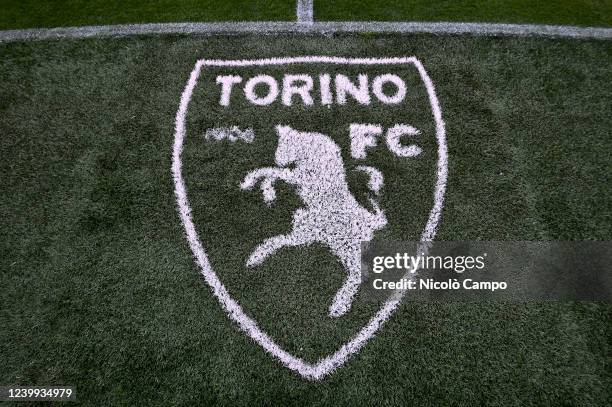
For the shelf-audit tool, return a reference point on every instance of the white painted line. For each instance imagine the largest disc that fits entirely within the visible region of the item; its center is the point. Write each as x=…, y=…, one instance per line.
x=304, y=11
x=328, y=364
x=481, y=29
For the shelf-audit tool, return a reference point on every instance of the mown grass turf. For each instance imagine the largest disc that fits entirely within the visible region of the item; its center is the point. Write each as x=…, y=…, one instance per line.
x=99, y=288
x=63, y=13
x=570, y=12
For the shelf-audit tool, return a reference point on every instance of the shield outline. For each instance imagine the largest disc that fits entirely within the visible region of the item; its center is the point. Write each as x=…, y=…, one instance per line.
x=331, y=362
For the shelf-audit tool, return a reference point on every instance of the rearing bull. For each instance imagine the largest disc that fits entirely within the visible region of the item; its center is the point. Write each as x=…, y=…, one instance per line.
x=331, y=216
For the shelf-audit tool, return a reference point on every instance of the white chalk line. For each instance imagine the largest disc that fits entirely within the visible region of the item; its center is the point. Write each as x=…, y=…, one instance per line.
x=304, y=11
x=480, y=29
x=328, y=364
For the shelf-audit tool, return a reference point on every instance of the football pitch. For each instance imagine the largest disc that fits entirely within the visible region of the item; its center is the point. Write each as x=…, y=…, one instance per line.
x=100, y=289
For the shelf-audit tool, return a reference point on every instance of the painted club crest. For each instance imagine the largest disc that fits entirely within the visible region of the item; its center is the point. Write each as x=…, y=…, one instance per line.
x=323, y=141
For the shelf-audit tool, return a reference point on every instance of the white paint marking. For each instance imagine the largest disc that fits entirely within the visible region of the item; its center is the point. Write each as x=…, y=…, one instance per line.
x=376, y=181
x=363, y=136
x=393, y=140
x=303, y=85
x=331, y=215
x=325, y=86
x=328, y=364
x=481, y=29
x=227, y=82
x=300, y=85
x=305, y=11
x=232, y=134
x=249, y=90
x=345, y=86
x=400, y=86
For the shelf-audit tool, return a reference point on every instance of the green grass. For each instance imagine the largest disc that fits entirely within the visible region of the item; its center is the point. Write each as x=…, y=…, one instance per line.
x=100, y=291
x=569, y=12
x=62, y=13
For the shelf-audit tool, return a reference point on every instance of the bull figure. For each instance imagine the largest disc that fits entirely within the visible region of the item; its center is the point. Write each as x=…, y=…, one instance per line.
x=331, y=215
